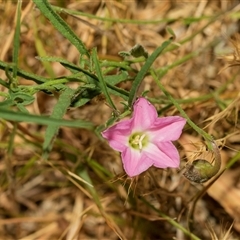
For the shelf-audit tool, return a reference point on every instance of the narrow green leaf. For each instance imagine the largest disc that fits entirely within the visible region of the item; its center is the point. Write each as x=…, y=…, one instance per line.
x=24, y=117
x=3, y=83
x=47, y=10
x=59, y=110
x=102, y=83
x=72, y=67
x=141, y=74
x=21, y=73
x=117, y=20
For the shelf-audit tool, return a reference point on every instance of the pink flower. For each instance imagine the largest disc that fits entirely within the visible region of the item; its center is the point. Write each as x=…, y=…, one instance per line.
x=145, y=139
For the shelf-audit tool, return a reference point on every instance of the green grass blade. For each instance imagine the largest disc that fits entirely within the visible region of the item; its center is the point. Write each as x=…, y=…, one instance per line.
x=47, y=10
x=24, y=117
x=117, y=20
x=58, y=112
x=4, y=84
x=141, y=74
x=21, y=73
x=16, y=40
x=102, y=82
x=72, y=67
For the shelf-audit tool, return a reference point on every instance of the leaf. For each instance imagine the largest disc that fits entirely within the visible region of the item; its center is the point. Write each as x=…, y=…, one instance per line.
x=21, y=73
x=141, y=74
x=47, y=10
x=58, y=112
x=139, y=51
x=3, y=83
x=70, y=66
x=24, y=117
x=102, y=83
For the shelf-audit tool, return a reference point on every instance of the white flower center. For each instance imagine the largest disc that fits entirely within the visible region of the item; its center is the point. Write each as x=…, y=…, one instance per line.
x=138, y=140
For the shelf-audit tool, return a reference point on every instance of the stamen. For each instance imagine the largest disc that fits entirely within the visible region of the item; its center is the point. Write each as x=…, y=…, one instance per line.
x=140, y=141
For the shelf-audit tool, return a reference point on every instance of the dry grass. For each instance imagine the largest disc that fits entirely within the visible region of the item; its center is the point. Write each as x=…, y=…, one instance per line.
x=47, y=200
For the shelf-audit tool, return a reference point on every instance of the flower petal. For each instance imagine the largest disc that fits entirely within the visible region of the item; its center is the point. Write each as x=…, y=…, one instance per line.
x=144, y=114
x=135, y=162
x=167, y=129
x=163, y=155
x=118, y=135
x=159, y=151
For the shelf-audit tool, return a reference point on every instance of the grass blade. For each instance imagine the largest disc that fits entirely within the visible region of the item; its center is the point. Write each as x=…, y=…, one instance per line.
x=58, y=112
x=21, y=73
x=102, y=82
x=47, y=10
x=137, y=81
x=24, y=117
